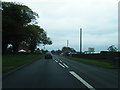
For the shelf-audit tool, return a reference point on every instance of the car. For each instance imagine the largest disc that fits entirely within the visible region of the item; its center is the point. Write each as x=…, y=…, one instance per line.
x=48, y=55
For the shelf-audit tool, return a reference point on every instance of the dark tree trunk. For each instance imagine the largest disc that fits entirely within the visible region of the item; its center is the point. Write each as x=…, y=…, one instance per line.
x=15, y=47
x=32, y=48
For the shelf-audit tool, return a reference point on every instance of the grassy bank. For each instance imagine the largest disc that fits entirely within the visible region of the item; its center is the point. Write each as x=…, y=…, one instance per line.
x=100, y=63
x=10, y=62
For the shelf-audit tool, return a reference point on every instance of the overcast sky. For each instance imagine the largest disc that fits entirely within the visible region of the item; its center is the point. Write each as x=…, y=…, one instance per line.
x=62, y=19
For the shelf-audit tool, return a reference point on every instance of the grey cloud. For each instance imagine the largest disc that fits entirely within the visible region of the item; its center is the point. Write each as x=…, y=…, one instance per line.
x=62, y=19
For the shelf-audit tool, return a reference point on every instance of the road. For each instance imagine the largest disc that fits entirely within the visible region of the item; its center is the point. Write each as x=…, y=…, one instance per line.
x=60, y=72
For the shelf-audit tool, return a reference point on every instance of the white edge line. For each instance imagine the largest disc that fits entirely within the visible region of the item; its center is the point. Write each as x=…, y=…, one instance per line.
x=83, y=81
x=61, y=65
x=66, y=65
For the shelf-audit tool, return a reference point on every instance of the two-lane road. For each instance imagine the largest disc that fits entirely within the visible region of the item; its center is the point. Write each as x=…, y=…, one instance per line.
x=60, y=72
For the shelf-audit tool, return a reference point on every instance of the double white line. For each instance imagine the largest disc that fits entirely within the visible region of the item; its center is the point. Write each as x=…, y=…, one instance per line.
x=55, y=60
x=76, y=76
x=62, y=64
x=65, y=65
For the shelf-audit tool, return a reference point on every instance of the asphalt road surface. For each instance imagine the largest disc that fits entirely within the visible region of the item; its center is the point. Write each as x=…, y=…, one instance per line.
x=60, y=72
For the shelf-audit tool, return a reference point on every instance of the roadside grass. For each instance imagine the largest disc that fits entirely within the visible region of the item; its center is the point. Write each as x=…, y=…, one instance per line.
x=100, y=63
x=10, y=62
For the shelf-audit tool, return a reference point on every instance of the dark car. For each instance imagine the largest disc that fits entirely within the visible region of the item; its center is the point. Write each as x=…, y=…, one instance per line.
x=48, y=55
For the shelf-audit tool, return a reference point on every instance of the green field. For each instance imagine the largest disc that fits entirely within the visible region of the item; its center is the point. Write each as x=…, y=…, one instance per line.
x=100, y=63
x=10, y=62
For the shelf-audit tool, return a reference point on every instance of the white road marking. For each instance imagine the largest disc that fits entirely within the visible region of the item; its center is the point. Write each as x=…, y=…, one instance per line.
x=83, y=81
x=60, y=61
x=57, y=58
x=56, y=61
x=66, y=65
x=61, y=65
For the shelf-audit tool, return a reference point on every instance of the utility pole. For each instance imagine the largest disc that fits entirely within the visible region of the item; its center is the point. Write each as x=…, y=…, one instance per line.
x=80, y=40
x=67, y=43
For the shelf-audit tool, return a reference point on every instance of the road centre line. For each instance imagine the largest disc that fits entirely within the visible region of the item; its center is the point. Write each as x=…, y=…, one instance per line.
x=56, y=61
x=57, y=58
x=65, y=65
x=60, y=61
x=54, y=58
x=61, y=65
x=82, y=80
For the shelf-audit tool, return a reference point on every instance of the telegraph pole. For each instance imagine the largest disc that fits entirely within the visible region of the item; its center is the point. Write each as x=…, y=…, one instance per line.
x=80, y=40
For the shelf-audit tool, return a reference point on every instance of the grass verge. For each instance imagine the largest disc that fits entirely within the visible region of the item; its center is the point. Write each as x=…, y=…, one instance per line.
x=100, y=63
x=10, y=62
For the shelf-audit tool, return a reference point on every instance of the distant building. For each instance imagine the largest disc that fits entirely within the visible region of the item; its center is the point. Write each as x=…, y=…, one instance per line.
x=23, y=48
x=90, y=51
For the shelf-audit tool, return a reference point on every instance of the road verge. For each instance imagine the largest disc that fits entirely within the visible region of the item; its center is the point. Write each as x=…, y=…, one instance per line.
x=99, y=63
x=12, y=63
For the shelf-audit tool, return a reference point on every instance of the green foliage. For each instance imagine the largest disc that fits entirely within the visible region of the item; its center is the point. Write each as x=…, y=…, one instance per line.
x=19, y=13
x=112, y=48
x=15, y=18
x=19, y=27
x=45, y=39
x=35, y=35
x=67, y=49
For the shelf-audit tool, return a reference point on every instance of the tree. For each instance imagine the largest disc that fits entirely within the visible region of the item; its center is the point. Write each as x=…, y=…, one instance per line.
x=53, y=51
x=67, y=50
x=19, y=27
x=15, y=17
x=112, y=48
x=34, y=36
x=46, y=40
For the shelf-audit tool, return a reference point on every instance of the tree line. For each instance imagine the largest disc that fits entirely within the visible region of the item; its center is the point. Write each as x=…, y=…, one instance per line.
x=19, y=26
